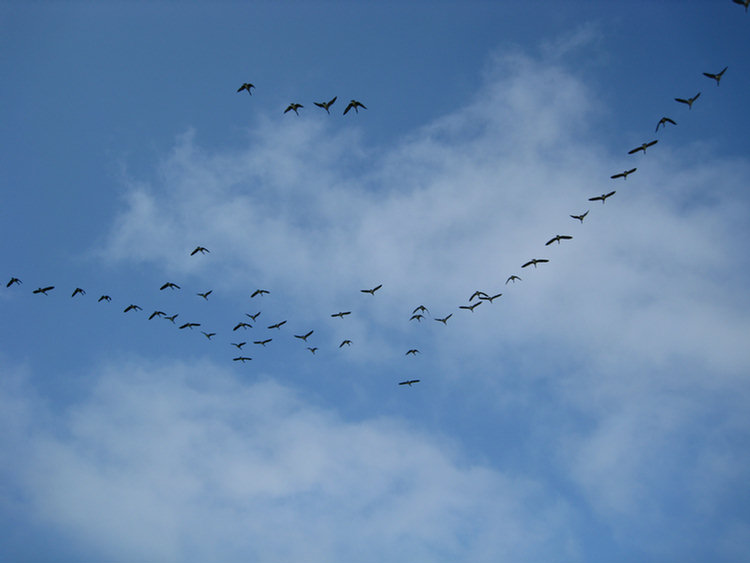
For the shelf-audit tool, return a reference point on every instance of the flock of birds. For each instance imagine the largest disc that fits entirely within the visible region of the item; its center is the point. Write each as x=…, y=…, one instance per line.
x=418, y=314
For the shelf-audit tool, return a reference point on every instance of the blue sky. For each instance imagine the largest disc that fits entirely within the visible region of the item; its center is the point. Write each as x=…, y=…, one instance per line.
x=596, y=410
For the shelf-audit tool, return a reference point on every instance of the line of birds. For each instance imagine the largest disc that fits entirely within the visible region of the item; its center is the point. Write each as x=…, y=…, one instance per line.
x=294, y=106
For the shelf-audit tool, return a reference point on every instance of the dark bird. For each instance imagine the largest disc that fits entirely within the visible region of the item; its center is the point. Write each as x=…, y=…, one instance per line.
x=718, y=75
x=512, y=278
x=413, y=352
x=169, y=285
x=104, y=298
x=239, y=345
x=242, y=359
x=341, y=314
x=312, y=349
x=260, y=292
x=242, y=325
x=663, y=122
x=13, y=281
x=557, y=239
x=535, y=261
x=409, y=382
x=580, y=217
x=78, y=291
x=602, y=197
x=477, y=294
x=373, y=290
x=326, y=105
x=44, y=290
x=201, y=249
x=172, y=318
x=209, y=334
x=157, y=314
x=643, y=148
x=345, y=342
x=132, y=308
x=745, y=3
x=205, y=294
x=263, y=342
x=190, y=325
x=444, y=320
x=418, y=317
x=689, y=101
x=470, y=307
x=491, y=298
x=354, y=104
x=255, y=316
x=420, y=309
x=278, y=325
x=293, y=107
x=624, y=175
x=246, y=86
x=303, y=336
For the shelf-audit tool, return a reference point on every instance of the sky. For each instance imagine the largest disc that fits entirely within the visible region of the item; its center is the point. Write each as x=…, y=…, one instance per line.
x=596, y=410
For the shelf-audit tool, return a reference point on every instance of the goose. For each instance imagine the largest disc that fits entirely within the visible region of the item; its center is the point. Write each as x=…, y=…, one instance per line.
x=341, y=314
x=418, y=317
x=242, y=325
x=477, y=294
x=470, y=307
x=409, y=382
x=412, y=352
x=172, y=318
x=169, y=285
x=205, y=294
x=238, y=345
x=44, y=290
x=260, y=292
x=78, y=291
x=420, y=309
x=263, y=342
x=278, y=325
x=535, y=261
x=345, y=342
x=663, y=122
x=373, y=290
x=624, y=175
x=157, y=314
x=354, y=104
x=312, y=349
x=512, y=278
x=718, y=75
x=444, y=320
x=643, y=148
x=255, y=316
x=326, y=105
x=689, y=101
x=208, y=334
x=246, y=86
x=491, y=298
x=132, y=307
x=201, y=249
x=104, y=298
x=580, y=217
x=745, y=3
x=293, y=107
x=557, y=239
x=303, y=337
x=602, y=197
x=242, y=359
x=190, y=325
x=13, y=281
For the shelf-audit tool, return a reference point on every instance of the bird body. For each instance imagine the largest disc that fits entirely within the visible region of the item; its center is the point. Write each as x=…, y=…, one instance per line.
x=745, y=3
x=44, y=290
x=663, y=122
x=263, y=342
x=293, y=107
x=470, y=307
x=303, y=337
x=169, y=285
x=718, y=75
x=278, y=325
x=602, y=197
x=13, y=281
x=104, y=298
x=255, y=316
x=491, y=298
x=373, y=290
x=512, y=278
x=420, y=309
x=643, y=148
x=624, y=175
x=201, y=249
x=345, y=343
x=412, y=352
x=242, y=325
x=354, y=104
x=418, y=317
x=209, y=334
x=444, y=320
x=172, y=318
x=156, y=314
x=341, y=314
x=312, y=349
x=688, y=101
x=78, y=291
x=326, y=105
x=535, y=261
x=242, y=359
x=132, y=307
x=246, y=86
x=580, y=217
x=205, y=294
x=260, y=292
x=238, y=345
x=557, y=239
x=409, y=382
x=190, y=325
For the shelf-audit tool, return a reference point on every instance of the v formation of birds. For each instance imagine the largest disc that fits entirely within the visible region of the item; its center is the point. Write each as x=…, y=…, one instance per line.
x=418, y=314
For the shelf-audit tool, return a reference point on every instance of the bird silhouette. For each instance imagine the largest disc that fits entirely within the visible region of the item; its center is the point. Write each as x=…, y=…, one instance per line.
x=409, y=382
x=13, y=281
x=373, y=290
x=242, y=325
x=602, y=197
x=580, y=217
x=420, y=309
x=190, y=325
x=242, y=359
x=293, y=107
x=312, y=349
x=477, y=294
x=78, y=291
x=557, y=239
x=255, y=316
x=238, y=345
x=169, y=285
x=643, y=148
x=412, y=352
x=689, y=101
x=303, y=337
x=157, y=314
x=444, y=320
x=535, y=261
x=172, y=318
x=624, y=175
x=104, y=298
x=260, y=292
x=132, y=307
x=326, y=105
x=470, y=307
x=209, y=335
x=354, y=104
x=345, y=343
x=205, y=294
x=491, y=298
x=263, y=342
x=745, y=3
x=246, y=86
x=278, y=325
x=663, y=122
x=512, y=278
x=201, y=249
x=418, y=317
x=341, y=314
x=716, y=76
x=44, y=290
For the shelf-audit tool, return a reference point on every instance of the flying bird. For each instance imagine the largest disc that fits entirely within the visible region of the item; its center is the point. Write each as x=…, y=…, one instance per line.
x=373, y=290
x=580, y=217
x=169, y=285
x=242, y=359
x=303, y=336
x=239, y=345
x=201, y=249
x=624, y=175
x=172, y=318
x=412, y=352
x=278, y=325
x=293, y=107
x=263, y=342
x=535, y=261
x=513, y=278
x=418, y=316
x=345, y=342
x=470, y=307
x=190, y=325
x=44, y=290
x=341, y=314
x=205, y=294
x=78, y=291
x=242, y=325
x=246, y=86
x=663, y=122
x=209, y=334
x=132, y=308
x=355, y=105
x=255, y=316
x=602, y=197
x=260, y=292
x=13, y=281
x=420, y=309
x=477, y=294
x=491, y=298
x=689, y=101
x=718, y=75
x=444, y=320
x=409, y=382
x=312, y=349
x=557, y=239
x=326, y=105
x=104, y=298
x=156, y=314
x=643, y=148
x=745, y=3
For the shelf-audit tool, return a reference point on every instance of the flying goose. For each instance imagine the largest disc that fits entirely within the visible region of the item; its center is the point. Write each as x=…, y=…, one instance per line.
x=602, y=197
x=104, y=298
x=354, y=104
x=205, y=294
x=477, y=294
x=514, y=277
x=624, y=175
x=260, y=292
x=44, y=290
x=689, y=101
x=373, y=290
x=201, y=249
x=157, y=314
x=238, y=345
x=470, y=307
x=246, y=86
x=242, y=359
x=242, y=325
x=557, y=239
x=78, y=291
x=643, y=148
x=132, y=307
x=341, y=314
x=208, y=334
x=409, y=382
x=420, y=309
x=255, y=316
x=13, y=281
x=745, y=3
x=278, y=325
x=345, y=342
x=312, y=349
x=535, y=261
x=326, y=105
x=293, y=107
x=491, y=298
x=263, y=342
x=418, y=316
x=444, y=320
x=303, y=336
x=581, y=217
x=169, y=285
x=413, y=352
x=718, y=75
x=172, y=318
x=663, y=122
x=190, y=325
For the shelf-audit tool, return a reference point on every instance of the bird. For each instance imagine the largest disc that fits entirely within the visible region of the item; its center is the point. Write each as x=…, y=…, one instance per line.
x=477, y=294
x=602, y=197
x=420, y=309
x=470, y=307
x=260, y=292
x=345, y=342
x=263, y=342
x=355, y=105
x=409, y=382
x=491, y=298
x=242, y=325
x=303, y=336
x=412, y=352
x=201, y=249
x=156, y=314
x=689, y=101
x=44, y=290
x=512, y=278
x=373, y=290
x=716, y=76
x=172, y=318
x=312, y=349
x=624, y=175
x=169, y=285
x=278, y=325
x=326, y=105
x=238, y=345
x=535, y=261
x=255, y=316
x=663, y=122
x=418, y=317
x=190, y=325
x=104, y=298
x=293, y=107
x=557, y=239
x=581, y=217
x=643, y=148
x=13, y=281
x=78, y=291
x=745, y=3
x=208, y=334
x=341, y=314
x=132, y=307
x=205, y=294
x=444, y=320
x=242, y=359
x=246, y=86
